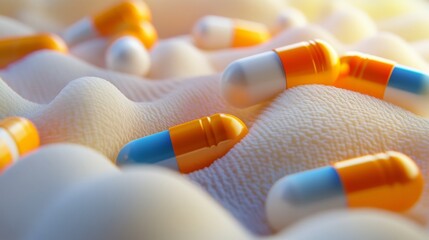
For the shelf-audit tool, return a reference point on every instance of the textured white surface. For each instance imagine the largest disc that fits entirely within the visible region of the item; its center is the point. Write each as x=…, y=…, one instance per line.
x=304, y=127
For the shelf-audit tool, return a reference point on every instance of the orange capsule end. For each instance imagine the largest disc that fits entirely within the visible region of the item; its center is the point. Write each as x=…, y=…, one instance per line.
x=198, y=143
x=144, y=31
x=247, y=34
x=364, y=74
x=110, y=20
x=13, y=49
x=23, y=132
x=312, y=62
x=5, y=156
x=388, y=180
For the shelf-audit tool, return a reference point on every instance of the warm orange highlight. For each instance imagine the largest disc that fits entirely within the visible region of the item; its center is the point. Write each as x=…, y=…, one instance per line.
x=312, y=62
x=198, y=143
x=144, y=31
x=13, y=49
x=364, y=74
x=23, y=132
x=388, y=180
x=110, y=20
x=246, y=34
x=5, y=156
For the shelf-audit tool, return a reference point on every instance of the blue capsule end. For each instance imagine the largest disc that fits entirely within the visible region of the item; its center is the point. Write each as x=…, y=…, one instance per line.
x=153, y=149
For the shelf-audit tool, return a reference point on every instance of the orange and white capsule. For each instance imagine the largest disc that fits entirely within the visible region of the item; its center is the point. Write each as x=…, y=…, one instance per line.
x=214, y=32
x=128, y=50
x=253, y=79
x=13, y=49
x=187, y=147
x=18, y=136
x=390, y=181
x=107, y=22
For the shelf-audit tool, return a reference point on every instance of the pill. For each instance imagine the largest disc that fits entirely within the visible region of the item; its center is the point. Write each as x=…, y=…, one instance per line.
x=187, y=147
x=18, y=136
x=13, y=49
x=107, y=22
x=384, y=79
x=127, y=54
x=253, y=79
x=289, y=18
x=390, y=181
x=215, y=32
x=127, y=51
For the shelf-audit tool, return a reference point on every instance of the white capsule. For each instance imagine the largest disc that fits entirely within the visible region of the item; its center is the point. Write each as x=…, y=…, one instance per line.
x=289, y=18
x=127, y=54
x=214, y=32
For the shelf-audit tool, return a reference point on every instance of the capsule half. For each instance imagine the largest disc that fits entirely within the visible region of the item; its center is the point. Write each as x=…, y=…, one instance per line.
x=18, y=136
x=257, y=78
x=13, y=49
x=384, y=79
x=390, y=181
x=187, y=147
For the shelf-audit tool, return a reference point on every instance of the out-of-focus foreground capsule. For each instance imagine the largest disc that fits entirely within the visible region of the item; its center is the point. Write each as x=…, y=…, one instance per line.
x=127, y=51
x=381, y=78
x=13, y=49
x=187, y=147
x=18, y=136
x=214, y=32
x=253, y=79
x=389, y=180
x=107, y=22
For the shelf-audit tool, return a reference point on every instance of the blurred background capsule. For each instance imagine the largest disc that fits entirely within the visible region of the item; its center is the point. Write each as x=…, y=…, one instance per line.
x=187, y=147
x=257, y=78
x=390, y=181
x=13, y=49
x=107, y=22
x=215, y=32
x=127, y=51
x=18, y=136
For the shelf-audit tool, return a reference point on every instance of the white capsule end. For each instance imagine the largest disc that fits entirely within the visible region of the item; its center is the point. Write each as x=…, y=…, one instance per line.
x=299, y=195
x=253, y=79
x=289, y=18
x=79, y=32
x=212, y=32
x=128, y=55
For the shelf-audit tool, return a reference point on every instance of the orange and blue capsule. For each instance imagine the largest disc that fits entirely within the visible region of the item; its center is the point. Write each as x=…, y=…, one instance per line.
x=13, y=49
x=18, y=136
x=384, y=79
x=187, y=147
x=390, y=181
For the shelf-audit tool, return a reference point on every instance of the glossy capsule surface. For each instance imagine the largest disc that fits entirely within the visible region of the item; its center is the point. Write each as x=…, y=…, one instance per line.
x=257, y=78
x=187, y=147
x=215, y=32
x=18, y=136
x=13, y=49
x=384, y=79
x=389, y=180
x=107, y=22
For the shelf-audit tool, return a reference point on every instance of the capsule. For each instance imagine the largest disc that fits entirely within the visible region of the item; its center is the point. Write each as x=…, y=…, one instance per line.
x=390, y=181
x=18, y=136
x=253, y=79
x=107, y=22
x=13, y=49
x=214, y=32
x=187, y=147
x=128, y=50
x=383, y=79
